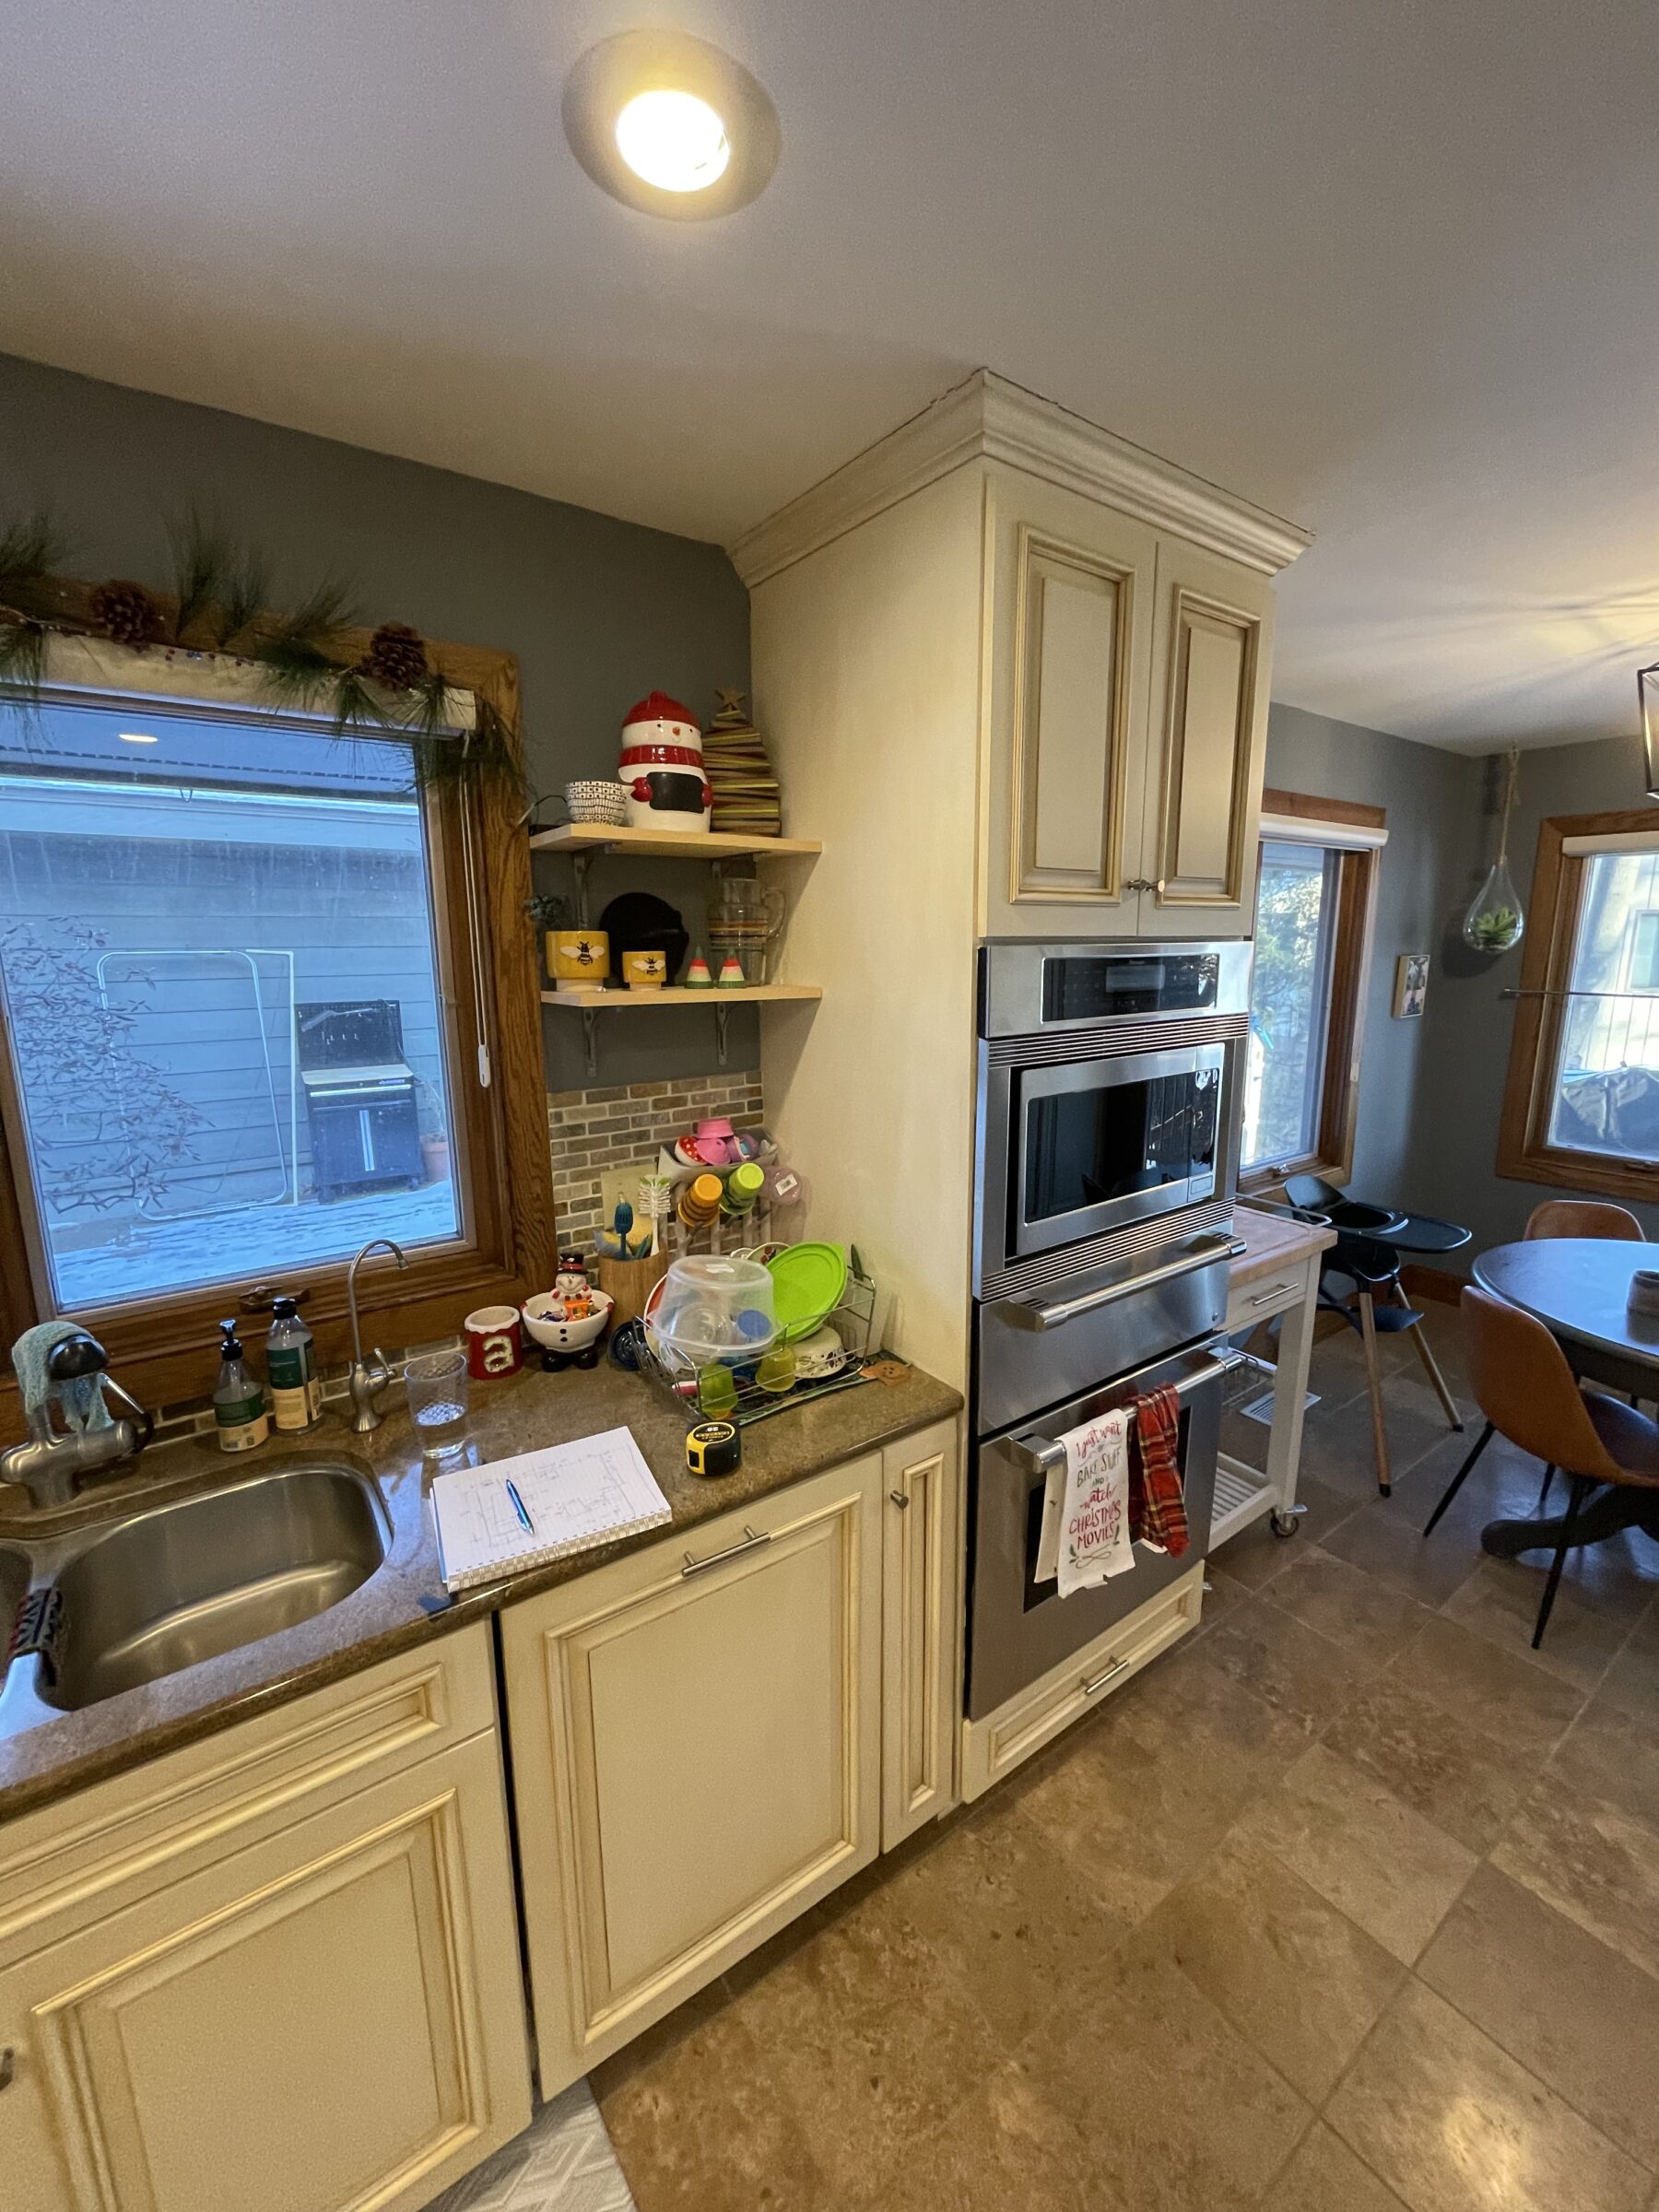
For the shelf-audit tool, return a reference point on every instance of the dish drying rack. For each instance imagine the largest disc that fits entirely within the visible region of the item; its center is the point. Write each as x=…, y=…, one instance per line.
x=854, y=1321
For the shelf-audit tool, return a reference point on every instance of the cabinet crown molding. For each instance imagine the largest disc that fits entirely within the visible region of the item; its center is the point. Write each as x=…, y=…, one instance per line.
x=986, y=417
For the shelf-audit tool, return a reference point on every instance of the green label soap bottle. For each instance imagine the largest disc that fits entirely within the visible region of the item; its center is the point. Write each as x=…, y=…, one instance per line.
x=291, y=1363
x=239, y=1402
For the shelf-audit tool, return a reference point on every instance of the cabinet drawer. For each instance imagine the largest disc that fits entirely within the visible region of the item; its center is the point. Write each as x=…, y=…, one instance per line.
x=329, y=2018
x=993, y=1746
x=1263, y=1296
x=696, y=1755
x=103, y=1846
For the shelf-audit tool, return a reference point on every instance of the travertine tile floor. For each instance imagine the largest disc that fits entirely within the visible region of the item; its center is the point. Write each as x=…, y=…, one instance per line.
x=1349, y=1904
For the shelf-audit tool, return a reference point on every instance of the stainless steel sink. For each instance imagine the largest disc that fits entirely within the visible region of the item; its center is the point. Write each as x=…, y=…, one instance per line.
x=198, y=1576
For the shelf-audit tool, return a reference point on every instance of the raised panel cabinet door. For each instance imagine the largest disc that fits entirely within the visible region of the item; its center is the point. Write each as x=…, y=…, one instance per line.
x=328, y=2021
x=922, y=1609
x=1212, y=651
x=1069, y=621
x=696, y=1755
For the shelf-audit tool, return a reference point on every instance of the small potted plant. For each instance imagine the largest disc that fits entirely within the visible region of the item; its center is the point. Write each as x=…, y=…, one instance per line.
x=434, y=1132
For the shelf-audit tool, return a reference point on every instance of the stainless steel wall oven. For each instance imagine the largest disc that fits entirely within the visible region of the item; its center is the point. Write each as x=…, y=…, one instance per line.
x=1110, y=1088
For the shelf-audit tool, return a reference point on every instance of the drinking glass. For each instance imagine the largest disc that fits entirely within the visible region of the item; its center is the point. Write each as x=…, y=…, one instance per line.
x=437, y=1385
x=716, y=1391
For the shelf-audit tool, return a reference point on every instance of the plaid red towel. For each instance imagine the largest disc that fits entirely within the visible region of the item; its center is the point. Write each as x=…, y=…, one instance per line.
x=1157, y=1504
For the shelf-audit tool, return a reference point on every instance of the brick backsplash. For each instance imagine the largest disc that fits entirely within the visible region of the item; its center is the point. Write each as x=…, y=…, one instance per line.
x=592, y=1131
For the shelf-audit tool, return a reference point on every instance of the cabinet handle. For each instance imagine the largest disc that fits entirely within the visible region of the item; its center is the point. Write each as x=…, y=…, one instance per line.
x=751, y=1542
x=1273, y=1291
x=8, y=2066
x=1137, y=883
x=900, y=1499
x=1113, y=1669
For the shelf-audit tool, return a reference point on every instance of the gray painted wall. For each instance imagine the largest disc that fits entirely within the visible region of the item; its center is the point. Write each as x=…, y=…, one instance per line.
x=1431, y=1089
x=597, y=611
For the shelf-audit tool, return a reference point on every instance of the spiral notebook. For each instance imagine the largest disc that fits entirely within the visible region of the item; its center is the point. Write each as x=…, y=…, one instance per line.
x=577, y=1496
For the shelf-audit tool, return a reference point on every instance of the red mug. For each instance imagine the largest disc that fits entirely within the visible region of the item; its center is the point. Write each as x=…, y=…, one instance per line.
x=495, y=1344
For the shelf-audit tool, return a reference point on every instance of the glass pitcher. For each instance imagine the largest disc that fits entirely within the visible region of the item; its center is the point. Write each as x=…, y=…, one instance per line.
x=746, y=922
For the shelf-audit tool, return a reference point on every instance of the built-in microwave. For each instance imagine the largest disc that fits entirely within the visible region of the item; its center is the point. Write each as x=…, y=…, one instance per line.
x=1110, y=1083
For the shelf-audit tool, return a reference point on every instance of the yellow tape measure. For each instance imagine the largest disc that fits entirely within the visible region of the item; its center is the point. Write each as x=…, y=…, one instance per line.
x=714, y=1448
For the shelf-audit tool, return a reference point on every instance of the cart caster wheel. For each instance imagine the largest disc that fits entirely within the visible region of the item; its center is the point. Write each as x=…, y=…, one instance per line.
x=1282, y=1524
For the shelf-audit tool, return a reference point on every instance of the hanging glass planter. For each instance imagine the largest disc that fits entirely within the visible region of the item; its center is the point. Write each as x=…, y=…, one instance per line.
x=1495, y=922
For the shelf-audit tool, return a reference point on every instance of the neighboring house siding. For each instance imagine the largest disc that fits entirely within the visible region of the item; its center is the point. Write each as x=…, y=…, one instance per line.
x=342, y=897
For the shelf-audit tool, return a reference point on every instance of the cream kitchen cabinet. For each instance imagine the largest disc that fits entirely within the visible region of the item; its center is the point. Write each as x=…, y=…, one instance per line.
x=1069, y=618
x=1127, y=709
x=1212, y=651
x=696, y=1750
x=922, y=1609
x=275, y=1972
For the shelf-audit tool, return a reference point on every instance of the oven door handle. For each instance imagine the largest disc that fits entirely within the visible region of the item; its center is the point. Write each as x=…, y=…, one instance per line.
x=1040, y=1454
x=1027, y=1315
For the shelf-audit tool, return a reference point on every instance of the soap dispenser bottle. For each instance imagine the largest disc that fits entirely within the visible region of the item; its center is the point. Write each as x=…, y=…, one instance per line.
x=239, y=1404
x=291, y=1363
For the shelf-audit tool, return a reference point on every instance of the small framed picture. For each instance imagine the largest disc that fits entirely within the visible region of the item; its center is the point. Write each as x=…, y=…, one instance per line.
x=1411, y=983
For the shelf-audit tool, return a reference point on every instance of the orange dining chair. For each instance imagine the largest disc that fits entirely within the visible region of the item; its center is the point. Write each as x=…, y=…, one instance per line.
x=1582, y=1218
x=1527, y=1393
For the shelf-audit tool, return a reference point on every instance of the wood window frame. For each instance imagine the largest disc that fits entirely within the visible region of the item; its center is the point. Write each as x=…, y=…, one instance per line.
x=1525, y=1151
x=161, y=1348
x=1356, y=832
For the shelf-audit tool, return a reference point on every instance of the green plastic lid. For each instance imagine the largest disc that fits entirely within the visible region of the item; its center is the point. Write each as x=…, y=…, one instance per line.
x=808, y=1281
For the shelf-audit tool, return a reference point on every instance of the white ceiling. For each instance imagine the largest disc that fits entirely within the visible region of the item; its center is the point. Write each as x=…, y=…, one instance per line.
x=1388, y=268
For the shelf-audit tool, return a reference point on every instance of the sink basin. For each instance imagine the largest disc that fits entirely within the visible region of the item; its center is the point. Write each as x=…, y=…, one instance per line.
x=199, y=1576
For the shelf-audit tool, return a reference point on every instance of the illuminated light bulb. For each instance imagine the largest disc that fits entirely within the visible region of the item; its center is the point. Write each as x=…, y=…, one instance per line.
x=673, y=140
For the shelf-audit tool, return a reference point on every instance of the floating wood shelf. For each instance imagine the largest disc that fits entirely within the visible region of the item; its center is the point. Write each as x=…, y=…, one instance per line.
x=586, y=998
x=658, y=844
x=590, y=1000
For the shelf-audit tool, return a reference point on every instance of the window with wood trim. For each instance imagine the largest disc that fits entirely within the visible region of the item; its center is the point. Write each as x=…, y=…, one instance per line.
x=265, y=995
x=1315, y=896
x=1580, y=1107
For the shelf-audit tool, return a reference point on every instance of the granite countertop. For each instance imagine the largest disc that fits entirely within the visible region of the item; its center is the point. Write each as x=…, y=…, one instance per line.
x=404, y=1602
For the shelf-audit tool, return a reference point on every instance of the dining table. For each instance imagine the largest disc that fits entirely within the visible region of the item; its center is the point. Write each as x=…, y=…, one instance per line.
x=1580, y=1287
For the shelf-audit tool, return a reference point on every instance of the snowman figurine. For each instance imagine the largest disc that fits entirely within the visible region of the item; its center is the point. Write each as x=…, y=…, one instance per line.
x=662, y=767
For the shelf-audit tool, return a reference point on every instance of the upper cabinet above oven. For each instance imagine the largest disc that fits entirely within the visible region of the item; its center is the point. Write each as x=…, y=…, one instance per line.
x=1126, y=710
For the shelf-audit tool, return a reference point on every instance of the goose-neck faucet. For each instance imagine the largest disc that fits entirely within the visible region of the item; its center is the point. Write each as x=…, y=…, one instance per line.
x=365, y=1416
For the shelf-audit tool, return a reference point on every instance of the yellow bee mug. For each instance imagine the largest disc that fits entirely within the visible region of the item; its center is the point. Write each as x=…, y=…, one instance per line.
x=644, y=970
x=578, y=956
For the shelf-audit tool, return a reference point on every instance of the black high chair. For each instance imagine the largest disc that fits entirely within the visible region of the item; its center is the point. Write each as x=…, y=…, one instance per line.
x=1366, y=1256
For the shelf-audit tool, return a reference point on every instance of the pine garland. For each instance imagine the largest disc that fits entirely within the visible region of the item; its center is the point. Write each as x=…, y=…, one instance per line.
x=219, y=597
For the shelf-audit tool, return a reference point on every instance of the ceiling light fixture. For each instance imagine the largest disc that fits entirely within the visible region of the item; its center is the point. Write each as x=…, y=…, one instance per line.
x=136, y=737
x=668, y=124
x=1647, y=694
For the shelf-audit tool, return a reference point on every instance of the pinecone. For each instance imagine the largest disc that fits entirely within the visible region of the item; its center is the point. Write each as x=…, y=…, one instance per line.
x=125, y=612
x=396, y=657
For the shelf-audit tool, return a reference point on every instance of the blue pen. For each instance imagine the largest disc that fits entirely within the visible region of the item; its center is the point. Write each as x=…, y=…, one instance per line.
x=518, y=1505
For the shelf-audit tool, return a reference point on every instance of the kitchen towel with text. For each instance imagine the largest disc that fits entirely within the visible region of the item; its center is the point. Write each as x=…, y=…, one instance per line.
x=1094, y=1518
x=1157, y=1500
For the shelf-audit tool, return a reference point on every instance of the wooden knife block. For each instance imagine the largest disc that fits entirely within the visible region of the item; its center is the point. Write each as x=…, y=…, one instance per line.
x=630, y=1283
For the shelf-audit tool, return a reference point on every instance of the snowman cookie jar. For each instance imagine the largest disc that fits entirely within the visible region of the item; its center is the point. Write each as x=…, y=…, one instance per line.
x=661, y=768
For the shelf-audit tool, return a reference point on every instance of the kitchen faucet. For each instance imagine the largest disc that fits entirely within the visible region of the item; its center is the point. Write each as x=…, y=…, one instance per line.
x=50, y=1463
x=365, y=1381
